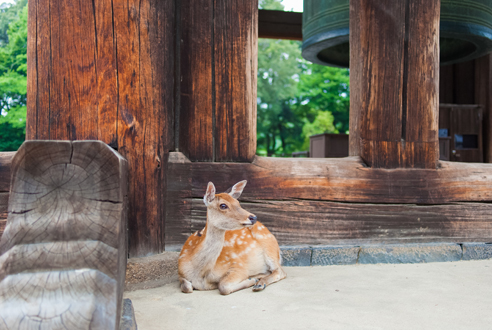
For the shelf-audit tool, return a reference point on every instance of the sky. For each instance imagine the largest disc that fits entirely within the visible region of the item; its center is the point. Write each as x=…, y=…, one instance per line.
x=293, y=5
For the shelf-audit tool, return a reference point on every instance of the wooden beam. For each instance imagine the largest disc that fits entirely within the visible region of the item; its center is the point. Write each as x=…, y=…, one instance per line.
x=394, y=61
x=314, y=201
x=276, y=24
x=343, y=180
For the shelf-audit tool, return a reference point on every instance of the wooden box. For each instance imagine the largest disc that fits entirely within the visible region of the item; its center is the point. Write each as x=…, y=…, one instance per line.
x=328, y=145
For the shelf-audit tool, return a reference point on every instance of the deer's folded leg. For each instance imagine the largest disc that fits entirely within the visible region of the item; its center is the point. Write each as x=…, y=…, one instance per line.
x=276, y=275
x=233, y=282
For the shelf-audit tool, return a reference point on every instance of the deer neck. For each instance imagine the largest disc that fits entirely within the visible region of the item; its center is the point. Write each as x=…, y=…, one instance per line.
x=212, y=245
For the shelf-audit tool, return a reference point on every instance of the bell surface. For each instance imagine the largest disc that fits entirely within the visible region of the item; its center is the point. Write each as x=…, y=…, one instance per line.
x=465, y=31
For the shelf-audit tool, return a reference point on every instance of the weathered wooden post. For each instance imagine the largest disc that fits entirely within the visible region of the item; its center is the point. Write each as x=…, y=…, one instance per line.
x=394, y=60
x=63, y=253
x=105, y=70
x=217, y=85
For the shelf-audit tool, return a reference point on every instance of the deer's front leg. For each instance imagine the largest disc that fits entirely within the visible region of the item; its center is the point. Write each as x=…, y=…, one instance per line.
x=234, y=281
x=186, y=285
x=276, y=275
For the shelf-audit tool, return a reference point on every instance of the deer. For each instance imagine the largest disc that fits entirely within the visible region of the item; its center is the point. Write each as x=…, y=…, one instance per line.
x=233, y=252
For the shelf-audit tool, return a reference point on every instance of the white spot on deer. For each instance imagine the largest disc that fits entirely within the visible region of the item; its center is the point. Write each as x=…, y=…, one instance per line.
x=191, y=243
x=232, y=241
x=226, y=258
x=233, y=255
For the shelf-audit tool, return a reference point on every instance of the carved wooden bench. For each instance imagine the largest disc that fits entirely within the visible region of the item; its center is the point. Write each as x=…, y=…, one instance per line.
x=63, y=253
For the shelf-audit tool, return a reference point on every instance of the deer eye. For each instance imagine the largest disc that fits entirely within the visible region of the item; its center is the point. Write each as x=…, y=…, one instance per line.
x=223, y=206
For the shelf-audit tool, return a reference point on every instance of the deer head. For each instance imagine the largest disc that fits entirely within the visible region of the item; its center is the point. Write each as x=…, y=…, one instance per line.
x=224, y=211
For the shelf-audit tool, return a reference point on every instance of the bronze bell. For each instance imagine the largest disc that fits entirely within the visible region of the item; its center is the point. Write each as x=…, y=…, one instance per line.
x=465, y=31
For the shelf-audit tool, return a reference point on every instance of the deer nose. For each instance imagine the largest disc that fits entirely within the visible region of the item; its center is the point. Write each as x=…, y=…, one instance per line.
x=252, y=218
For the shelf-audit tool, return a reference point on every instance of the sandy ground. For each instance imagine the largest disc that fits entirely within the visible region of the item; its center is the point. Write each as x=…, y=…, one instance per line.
x=447, y=295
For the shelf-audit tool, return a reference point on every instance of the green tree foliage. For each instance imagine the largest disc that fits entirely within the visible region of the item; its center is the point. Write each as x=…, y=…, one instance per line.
x=296, y=99
x=279, y=126
x=325, y=88
x=13, y=75
x=270, y=5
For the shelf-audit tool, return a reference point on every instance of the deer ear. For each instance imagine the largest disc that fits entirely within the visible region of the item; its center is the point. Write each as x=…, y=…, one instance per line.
x=210, y=194
x=237, y=189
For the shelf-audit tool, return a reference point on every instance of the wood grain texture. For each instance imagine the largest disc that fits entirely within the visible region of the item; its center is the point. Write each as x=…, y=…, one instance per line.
x=318, y=186
x=343, y=180
x=5, y=164
x=32, y=300
x=396, y=97
x=4, y=203
x=196, y=130
x=235, y=69
x=145, y=31
x=63, y=252
x=322, y=222
x=217, y=87
x=178, y=202
x=105, y=71
x=277, y=24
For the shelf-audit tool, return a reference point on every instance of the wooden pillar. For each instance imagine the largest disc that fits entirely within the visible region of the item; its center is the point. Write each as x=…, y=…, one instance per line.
x=483, y=97
x=105, y=70
x=394, y=61
x=218, y=66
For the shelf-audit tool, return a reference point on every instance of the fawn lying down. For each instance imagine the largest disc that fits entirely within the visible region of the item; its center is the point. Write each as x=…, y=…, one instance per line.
x=233, y=252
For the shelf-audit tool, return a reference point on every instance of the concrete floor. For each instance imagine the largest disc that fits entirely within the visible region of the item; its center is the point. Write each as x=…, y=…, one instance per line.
x=447, y=295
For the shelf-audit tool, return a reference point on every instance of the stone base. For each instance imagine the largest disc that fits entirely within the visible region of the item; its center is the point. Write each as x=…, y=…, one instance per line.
x=323, y=255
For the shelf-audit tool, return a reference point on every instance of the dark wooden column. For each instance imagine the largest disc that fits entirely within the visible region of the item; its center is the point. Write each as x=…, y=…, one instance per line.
x=218, y=66
x=105, y=70
x=483, y=97
x=394, y=61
